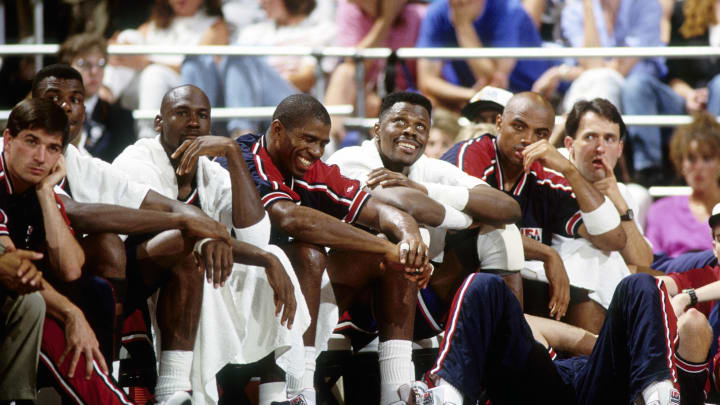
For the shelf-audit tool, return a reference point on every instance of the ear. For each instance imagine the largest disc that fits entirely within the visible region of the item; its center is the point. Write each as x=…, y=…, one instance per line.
x=498, y=123
x=6, y=138
x=620, y=148
x=376, y=131
x=157, y=124
x=568, y=142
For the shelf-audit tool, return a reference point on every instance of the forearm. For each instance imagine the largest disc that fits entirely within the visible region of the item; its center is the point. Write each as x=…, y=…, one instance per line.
x=587, y=196
x=246, y=206
x=535, y=250
x=681, y=87
x=396, y=224
x=310, y=225
x=64, y=253
x=709, y=292
x=431, y=83
x=467, y=38
x=492, y=206
x=304, y=78
x=670, y=285
x=637, y=250
x=104, y=218
x=57, y=305
x=420, y=206
x=252, y=255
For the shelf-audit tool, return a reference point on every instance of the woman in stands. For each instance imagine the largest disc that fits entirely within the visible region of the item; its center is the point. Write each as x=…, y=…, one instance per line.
x=679, y=224
x=172, y=22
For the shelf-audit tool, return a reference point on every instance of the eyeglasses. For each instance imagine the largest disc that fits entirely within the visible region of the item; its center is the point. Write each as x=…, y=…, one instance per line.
x=84, y=64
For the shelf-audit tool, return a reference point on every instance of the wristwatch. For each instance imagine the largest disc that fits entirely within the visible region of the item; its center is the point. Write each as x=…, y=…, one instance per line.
x=629, y=215
x=693, y=297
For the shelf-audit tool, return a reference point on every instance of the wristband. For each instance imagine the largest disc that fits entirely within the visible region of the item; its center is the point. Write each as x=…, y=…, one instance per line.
x=693, y=297
x=197, y=249
x=455, y=219
x=454, y=196
x=602, y=219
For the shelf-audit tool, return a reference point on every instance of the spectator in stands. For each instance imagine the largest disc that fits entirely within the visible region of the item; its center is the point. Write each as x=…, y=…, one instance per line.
x=249, y=81
x=522, y=163
x=692, y=84
x=369, y=24
x=678, y=224
x=486, y=105
x=472, y=24
x=443, y=131
x=146, y=78
x=108, y=127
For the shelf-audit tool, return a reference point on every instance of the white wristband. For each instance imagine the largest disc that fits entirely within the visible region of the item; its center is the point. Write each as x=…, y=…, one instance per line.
x=454, y=196
x=197, y=249
x=603, y=219
x=455, y=219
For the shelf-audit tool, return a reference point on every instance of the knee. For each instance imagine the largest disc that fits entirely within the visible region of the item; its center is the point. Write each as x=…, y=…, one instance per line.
x=345, y=72
x=637, y=85
x=638, y=282
x=693, y=324
x=308, y=260
x=106, y=256
x=484, y=285
x=187, y=272
x=32, y=308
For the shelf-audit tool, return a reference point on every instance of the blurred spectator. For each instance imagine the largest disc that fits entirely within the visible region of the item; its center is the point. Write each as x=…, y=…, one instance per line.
x=473, y=24
x=475, y=130
x=679, y=224
x=546, y=16
x=691, y=85
x=247, y=81
x=368, y=24
x=146, y=78
x=108, y=127
x=443, y=131
x=486, y=105
x=241, y=13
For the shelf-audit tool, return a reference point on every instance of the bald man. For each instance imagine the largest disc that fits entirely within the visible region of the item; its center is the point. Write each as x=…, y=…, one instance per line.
x=554, y=198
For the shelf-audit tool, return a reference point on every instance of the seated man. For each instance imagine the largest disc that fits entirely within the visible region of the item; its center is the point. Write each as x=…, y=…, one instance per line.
x=440, y=196
x=636, y=356
x=175, y=164
x=34, y=218
x=311, y=207
x=22, y=313
x=102, y=202
x=554, y=197
x=474, y=24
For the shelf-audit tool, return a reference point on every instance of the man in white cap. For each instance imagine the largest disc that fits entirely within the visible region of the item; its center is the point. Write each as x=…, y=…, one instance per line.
x=485, y=106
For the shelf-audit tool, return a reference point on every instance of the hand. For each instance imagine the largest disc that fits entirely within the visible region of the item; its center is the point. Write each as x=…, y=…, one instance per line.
x=284, y=291
x=547, y=155
x=18, y=273
x=208, y=145
x=559, y=287
x=608, y=186
x=465, y=11
x=56, y=175
x=411, y=252
x=216, y=259
x=80, y=339
x=679, y=303
x=420, y=275
x=388, y=178
x=391, y=9
x=548, y=82
x=696, y=100
x=499, y=79
x=200, y=226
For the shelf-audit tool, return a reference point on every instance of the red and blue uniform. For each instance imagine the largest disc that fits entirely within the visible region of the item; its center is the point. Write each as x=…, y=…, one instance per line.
x=488, y=343
x=322, y=187
x=546, y=199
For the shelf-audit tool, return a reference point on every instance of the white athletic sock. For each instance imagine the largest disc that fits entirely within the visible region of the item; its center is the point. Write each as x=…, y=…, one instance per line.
x=396, y=368
x=660, y=393
x=297, y=384
x=272, y=391
x=450, y=393
x=174, y=373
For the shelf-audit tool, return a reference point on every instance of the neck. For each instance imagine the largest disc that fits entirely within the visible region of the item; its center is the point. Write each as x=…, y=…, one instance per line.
x=707, y=197
x=292, y=20
x=511, y=173
x=19, y=186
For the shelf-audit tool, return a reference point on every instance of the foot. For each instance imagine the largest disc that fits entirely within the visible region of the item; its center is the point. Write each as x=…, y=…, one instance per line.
x=178, y=398
x=305, y=397
x=411, y=394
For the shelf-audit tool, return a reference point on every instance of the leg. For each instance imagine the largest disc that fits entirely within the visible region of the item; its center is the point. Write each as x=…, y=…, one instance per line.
x=586, y=314
x=713, y=105
x=645, y=95
x=21, y=321
x=202, y=71
x=340, y=90
x=691, y=356
x=251, y=82
x=99, y=389
x=634, y=349
x=167, y=260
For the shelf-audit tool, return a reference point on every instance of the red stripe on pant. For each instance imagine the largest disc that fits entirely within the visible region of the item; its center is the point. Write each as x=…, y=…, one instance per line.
x=100, y=389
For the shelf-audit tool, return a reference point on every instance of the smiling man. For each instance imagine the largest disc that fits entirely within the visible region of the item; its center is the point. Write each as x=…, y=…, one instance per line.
x=311, y=207
x=554, y=197
x=440, y=196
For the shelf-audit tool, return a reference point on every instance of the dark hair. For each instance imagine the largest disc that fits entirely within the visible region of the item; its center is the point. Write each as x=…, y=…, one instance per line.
x=296, y=109
x=59, y=71
x=299, y=7
x=404, y=97
x=163, y=14
x=38, y=113
x=81, y=44
x=599, y=106
x=704, y=129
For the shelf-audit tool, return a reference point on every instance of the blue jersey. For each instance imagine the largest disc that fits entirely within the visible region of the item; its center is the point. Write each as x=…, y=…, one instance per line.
x=546, y=199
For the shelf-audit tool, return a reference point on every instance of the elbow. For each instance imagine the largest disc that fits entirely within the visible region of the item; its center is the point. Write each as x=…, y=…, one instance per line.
x=513, y=214
x=614, y=240
x=298, y=226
